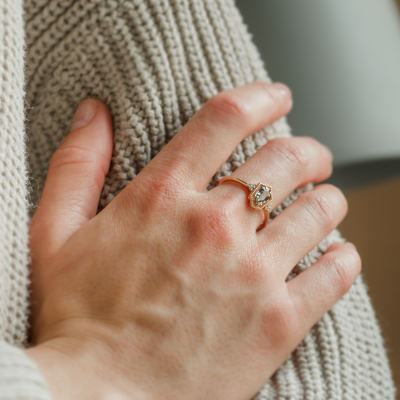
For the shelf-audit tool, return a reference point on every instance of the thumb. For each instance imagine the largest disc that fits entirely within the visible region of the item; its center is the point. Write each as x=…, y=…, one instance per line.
x=75, y=178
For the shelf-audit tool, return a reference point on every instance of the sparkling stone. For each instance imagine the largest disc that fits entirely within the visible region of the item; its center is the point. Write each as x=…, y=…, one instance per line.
x=262, y=196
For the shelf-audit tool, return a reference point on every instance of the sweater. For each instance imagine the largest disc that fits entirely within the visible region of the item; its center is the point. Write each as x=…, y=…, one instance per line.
x=154, y=63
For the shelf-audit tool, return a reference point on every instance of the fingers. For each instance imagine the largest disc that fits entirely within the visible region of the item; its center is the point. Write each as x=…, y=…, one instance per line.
x=301, y=226
x=209, y=138
x=284, y=164
x=75, y=178
x=319, y=287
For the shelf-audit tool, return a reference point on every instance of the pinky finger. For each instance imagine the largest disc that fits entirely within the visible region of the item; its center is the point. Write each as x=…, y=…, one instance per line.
x=319, y=287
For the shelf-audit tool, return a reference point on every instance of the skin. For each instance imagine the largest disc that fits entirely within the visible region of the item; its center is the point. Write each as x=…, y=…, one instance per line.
x=169, y=292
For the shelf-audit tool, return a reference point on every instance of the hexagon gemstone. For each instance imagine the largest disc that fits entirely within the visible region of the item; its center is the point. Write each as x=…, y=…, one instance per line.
x=262, y=196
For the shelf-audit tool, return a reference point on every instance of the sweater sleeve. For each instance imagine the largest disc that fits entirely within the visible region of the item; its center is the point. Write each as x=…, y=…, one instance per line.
x=19, y=376
x=154, y=63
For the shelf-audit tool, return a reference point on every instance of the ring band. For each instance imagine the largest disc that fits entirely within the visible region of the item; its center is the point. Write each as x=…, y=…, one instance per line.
x=260, y=196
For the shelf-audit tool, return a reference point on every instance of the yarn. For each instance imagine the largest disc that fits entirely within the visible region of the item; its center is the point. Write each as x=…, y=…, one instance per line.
x=13, y=182
x=154, y=63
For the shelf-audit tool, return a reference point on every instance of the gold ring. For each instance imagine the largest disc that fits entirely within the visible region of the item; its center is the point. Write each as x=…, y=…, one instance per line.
x=260, y=196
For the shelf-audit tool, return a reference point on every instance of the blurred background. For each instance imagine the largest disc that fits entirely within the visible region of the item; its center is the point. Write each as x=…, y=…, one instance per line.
x=341, y=59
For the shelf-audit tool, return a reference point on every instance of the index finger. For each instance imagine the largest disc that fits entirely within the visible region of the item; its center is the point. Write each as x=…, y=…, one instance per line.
x=209, y=138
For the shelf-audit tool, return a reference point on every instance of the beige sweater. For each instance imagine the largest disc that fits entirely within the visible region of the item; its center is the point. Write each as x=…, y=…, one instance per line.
x=154, y=63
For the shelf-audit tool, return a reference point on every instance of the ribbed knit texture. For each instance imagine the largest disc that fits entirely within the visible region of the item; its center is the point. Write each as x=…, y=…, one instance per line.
x=19, y=376
x=13, y=191
x=154, y=63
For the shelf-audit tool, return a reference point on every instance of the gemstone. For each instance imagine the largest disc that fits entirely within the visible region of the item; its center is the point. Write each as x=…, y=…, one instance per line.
x=262, y=196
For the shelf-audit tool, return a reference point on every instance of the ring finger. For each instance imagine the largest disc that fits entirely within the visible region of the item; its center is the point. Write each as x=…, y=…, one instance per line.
x=284, y=164
x=301, y=226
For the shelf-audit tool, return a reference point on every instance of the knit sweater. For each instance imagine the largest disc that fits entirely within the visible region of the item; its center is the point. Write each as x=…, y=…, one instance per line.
x=154, y=63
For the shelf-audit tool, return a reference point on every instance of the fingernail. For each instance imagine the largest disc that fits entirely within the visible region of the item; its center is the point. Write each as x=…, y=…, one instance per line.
x=283, y=89
x=84, y=114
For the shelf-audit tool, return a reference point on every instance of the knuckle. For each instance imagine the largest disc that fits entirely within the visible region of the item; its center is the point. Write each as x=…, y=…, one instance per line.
x=320, y=208
x=230, y=105
x=343, y=269
x=71, y=155
x=169, y=180
x=217, y=225
x=159, y=189
x=279, y=321
x=292, y=153
x=162, y=187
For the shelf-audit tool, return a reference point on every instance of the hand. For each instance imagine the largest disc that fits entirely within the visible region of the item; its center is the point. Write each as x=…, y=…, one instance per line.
x=169, y=292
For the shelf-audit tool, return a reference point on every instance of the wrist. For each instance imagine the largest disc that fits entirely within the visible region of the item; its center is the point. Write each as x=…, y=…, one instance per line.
x=72, y=371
